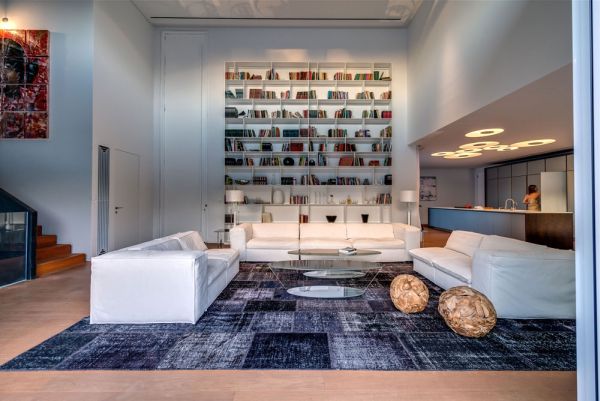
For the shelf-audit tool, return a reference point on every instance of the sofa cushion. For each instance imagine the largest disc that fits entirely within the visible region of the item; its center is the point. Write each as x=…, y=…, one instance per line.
x=160, y=244
x=275, y=230
x=365, y=243
x=499, y=243
x=323, y=230
x=191, y=241
x=215, y=267
x=324, y=243
x=227, y=254
x=272, y=243
x=427, y=255
x=375, y=231
x=464, y=242
x=457, y=266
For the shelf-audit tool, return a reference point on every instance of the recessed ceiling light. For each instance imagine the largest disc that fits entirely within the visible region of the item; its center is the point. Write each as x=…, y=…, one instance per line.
x=437, y=154
x=462, y=155
x=533, y=142
x=484, y=132
x=478, y=145
x=507, y=148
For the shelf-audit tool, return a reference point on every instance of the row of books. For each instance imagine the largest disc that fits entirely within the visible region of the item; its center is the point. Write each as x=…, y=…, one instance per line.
x=337, y=132
x=259, y=180
x=298, y=199
x=377, y=147
x=239, y=94
x=386, y=132
x=343, y=113
x=310, y=180
x=262, y=94
x=270, y=161
x=234, y=146
x=231, y=112
x=365, y=95
x=314, y=113
x=302, y=218
x=376, y=114
x=312, y=94
x=337, y=95
x=386, y=95
x=273, y=131
x=272, y=75
x=240, y=133
x=292, y=147
x=384, y=199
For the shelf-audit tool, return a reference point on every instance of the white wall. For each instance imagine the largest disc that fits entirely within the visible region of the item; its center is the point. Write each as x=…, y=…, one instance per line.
x=455, y=187
x=53, y=176
x=465, y=54
x=123, y=98
x=297, y=45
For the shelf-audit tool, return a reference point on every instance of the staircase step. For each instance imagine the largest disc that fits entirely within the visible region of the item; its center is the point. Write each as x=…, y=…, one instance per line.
x=39, y=230
x=46, y=240
x=53, y=252
x=58, y=264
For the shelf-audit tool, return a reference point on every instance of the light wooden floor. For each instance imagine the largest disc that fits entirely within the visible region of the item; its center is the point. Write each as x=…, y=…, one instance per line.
x=33, y=311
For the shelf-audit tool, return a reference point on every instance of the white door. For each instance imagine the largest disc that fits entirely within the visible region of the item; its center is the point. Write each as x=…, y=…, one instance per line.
x=123, y=221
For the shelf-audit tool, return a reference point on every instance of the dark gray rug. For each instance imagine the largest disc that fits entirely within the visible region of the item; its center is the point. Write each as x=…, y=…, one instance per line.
x=255, y=324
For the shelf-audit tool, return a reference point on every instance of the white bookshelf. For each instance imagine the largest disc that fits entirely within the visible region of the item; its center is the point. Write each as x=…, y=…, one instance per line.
x=372, y=146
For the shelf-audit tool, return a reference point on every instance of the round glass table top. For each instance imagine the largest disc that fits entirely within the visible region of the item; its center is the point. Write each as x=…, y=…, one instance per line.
x=327, y=265
x=332, y=252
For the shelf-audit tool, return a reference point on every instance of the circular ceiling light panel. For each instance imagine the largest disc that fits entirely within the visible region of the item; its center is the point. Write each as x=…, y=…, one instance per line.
x=507, y=148
x=495, y=147
x=462, y=155
x=533, y=142
x=478, y=145
x=484, y=132
x=462, y=151
x=438, y=154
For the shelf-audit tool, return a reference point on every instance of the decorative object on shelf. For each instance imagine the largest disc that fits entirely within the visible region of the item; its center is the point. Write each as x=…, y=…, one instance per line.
x=428, y=189
x=387, y=179
x=467, y=311
x=365, y=217
x=409, y=197
x=409, y=294
x=288, y=161
x=26, y=84
x=236, y=197
x=242, y=182
x=278, y=197
x=331, y=218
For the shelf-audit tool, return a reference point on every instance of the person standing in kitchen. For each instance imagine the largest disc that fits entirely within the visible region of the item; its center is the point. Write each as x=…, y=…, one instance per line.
x=532, y=199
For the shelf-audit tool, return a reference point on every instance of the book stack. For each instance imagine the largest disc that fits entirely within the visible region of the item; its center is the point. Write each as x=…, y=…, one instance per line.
x=273, y=131
x=298, y=199
x=270, y=161
x=233, y=146
x=240, y=133
x=255, y=94
x=384, y=199
x=288, y=180
x=376, y=147
x=344, y=147
x=291, y=133
x=303, y=218
x=362, y=133
x=386, y=95
x=343, y=113
x=285, y=95
x=387, y=147
x=347, y=181
x=258, y=114
x=241, y=75
x=259, y=180
x=310, y=180
x=364, y=77
x=337, y=95
x=231, y=112
x=340, y=76
x=308, y=132
x=386, y=114
x=314, y=113
x=271, y=75
x=239, y=93
x=308, y=76
x=365, y=95
x=386, y=132
x=337, y=132
x=229, y=94
x=370, y=113
x=387, y=161
x=285, y=114
x=321, y=160
x=312, y=94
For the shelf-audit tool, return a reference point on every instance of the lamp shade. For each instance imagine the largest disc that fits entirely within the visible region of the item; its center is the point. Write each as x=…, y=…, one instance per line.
x=234, y=196
x=408, y=196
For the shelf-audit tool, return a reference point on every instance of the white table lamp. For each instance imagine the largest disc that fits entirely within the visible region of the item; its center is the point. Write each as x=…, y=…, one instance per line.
x=236, y=197
x=409, y=197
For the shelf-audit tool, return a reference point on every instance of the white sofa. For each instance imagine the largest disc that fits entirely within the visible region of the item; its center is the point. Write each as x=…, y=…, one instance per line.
x=173, y=279
x=266, y=242
x=523, y=280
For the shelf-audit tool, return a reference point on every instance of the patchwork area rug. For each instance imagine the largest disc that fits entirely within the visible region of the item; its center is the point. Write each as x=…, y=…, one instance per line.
x=255, y=324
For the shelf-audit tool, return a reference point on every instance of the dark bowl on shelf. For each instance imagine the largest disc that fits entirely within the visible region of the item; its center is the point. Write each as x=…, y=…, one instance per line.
x=331, y=219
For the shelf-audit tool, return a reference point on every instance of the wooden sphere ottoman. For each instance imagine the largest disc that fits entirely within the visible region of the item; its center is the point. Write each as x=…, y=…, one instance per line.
x=409, y=293
x=467, y=311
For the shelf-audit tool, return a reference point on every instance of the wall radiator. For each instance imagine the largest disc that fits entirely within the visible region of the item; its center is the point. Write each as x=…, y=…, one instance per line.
x=103, y=206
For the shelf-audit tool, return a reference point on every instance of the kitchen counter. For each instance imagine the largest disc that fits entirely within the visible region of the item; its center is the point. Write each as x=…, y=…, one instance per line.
x=552, y=229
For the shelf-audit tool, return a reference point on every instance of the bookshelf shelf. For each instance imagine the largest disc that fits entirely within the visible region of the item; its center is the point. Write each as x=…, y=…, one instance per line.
x=353, y=163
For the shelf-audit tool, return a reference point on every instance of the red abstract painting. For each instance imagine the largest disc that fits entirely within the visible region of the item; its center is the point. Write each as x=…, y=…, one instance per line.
x=24, y=84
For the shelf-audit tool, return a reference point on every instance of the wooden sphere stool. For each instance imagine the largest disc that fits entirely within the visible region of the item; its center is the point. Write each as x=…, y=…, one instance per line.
x=467, y=311
x=409, y=293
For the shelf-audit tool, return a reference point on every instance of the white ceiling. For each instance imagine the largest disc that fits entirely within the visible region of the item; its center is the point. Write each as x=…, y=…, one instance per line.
x=540, y=110
x=280, y=13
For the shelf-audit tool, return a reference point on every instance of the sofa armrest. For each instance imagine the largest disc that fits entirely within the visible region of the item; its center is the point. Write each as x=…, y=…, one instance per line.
x=148, y=286
x=411, y=235
x=239, y=236
x=527, y=284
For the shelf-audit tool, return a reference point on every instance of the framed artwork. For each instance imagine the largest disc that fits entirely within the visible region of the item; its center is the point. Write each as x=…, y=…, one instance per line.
x=24, y=84
x=428, y=189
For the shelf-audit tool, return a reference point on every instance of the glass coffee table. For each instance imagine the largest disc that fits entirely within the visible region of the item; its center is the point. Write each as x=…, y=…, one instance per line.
x=349, y=278
x=331, y=253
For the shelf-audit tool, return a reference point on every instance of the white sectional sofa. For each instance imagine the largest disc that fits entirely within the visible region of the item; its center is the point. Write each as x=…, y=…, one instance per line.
x=266, y=242
x=523, y=280
x=173, y=279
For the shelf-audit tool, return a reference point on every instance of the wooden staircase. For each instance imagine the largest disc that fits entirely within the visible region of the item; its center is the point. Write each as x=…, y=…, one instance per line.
x=52, y=257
